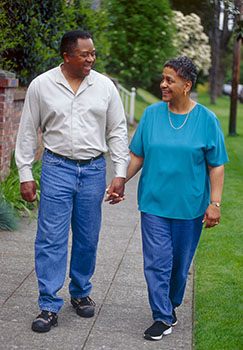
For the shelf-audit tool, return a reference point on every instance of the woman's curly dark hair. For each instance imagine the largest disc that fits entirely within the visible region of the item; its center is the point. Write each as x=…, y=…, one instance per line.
x=184, y=67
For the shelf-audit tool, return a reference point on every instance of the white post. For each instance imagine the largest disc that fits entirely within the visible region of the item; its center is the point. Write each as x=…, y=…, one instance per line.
x=132, y=106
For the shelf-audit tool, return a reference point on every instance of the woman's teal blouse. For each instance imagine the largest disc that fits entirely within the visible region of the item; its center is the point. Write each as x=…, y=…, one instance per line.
x=174, y=182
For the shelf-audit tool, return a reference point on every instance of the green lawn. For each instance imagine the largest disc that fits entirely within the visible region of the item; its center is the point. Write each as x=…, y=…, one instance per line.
x=219, y=260
x=143, y=100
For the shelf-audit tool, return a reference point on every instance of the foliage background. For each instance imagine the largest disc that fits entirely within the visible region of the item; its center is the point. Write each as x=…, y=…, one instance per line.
x=31, y=31
x=132, y=39
x=140, y=34
x=191, y=41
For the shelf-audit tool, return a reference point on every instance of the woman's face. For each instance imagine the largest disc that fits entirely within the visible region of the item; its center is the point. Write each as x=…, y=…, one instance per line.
x=172, y=85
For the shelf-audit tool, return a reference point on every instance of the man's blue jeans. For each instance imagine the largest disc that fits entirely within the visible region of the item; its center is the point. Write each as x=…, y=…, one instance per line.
x=168, y=249
x=70, y=194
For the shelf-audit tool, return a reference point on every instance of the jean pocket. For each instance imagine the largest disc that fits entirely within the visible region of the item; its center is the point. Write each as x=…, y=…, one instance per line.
x=50, y=159
x=99, y=164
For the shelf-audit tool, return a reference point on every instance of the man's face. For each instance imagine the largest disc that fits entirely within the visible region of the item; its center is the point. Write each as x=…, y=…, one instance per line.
x=82, y=58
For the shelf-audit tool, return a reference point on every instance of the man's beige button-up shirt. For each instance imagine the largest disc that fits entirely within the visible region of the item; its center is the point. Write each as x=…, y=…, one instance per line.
x=76, y=126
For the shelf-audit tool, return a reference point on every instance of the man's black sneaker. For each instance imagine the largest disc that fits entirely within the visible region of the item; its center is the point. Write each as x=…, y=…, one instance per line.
x=85, y=307
x=157, y=330
x=174, y=321
x=44, y=321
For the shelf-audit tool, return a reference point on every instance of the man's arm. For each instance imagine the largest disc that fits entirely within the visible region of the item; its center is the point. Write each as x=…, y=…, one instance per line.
x=26, y=143
x=116, y=129
x=116, y=132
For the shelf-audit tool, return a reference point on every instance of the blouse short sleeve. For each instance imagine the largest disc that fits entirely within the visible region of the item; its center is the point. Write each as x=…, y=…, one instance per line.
x=215, y=151
x=137, y=143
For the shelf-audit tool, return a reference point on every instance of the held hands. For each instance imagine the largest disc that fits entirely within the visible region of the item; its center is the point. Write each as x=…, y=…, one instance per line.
x=115, y=191
x=28, y=191
x=211, y=216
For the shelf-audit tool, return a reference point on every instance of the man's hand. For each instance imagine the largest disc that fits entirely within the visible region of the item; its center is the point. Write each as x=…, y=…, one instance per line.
x=115, y=191
x=211, y=216
x=28, y=191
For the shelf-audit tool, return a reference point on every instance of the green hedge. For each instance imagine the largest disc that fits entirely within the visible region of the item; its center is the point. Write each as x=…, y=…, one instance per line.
x=31, y=31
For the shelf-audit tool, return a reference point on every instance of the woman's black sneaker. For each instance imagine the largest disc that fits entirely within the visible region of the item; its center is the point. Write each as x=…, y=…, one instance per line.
x=174, y=321
x=157, y=330
x=85, y=307
x=44, y=321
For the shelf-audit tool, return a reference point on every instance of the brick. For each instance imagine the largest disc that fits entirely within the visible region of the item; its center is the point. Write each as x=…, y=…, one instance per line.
x=7, y=125
x=10, y=83
x=19, y=94
x=11, y=105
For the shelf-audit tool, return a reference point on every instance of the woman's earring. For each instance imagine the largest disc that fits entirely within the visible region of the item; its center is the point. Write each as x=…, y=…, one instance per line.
x=184, y=92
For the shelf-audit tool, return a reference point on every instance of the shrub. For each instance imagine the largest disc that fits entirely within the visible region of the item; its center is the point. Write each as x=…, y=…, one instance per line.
x=10, y=191
x=7, y=216
x=140, y=36
x=31, y=31
x=204, y=88
x=191, y=41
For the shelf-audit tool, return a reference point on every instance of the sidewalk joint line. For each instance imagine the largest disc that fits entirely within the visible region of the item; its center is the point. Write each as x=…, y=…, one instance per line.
x=21, y=283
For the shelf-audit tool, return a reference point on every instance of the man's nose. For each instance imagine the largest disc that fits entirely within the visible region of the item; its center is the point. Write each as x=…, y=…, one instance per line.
x=91, y=57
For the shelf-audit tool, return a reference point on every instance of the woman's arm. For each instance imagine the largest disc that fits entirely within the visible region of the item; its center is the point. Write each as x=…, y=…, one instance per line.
x=212, y=214
x=134, y=166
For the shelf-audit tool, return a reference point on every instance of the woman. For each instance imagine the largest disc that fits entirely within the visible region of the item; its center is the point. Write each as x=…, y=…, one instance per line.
x=180, y=147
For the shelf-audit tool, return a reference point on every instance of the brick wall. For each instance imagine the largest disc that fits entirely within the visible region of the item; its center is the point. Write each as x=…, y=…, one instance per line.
x=11, y=105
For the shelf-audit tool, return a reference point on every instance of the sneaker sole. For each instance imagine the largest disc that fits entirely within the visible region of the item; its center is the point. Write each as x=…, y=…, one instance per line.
x=82, y=313
x=43, y=330
x=174, y=324
x=158, y=337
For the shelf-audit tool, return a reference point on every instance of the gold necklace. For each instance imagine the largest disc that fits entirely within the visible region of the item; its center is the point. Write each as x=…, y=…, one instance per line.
x=181, y=124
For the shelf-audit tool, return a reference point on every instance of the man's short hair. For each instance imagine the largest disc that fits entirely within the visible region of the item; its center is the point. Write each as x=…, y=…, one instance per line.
x=69, y=40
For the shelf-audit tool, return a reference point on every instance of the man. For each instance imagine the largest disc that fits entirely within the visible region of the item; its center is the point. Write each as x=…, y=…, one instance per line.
x=77, y=110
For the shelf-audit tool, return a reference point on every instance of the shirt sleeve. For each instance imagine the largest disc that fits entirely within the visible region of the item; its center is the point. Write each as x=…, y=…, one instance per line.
x=26, y=142
x=137, y=143
x=116, y=131
x=216, y=154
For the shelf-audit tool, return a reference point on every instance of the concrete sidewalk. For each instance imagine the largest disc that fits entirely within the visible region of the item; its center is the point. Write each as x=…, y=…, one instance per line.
x=119, y=290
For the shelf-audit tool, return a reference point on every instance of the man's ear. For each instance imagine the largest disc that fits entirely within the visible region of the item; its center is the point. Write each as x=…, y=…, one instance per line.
x=66, y=57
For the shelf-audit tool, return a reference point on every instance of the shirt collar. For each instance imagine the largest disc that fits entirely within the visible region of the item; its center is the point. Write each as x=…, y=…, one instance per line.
x=60, y=78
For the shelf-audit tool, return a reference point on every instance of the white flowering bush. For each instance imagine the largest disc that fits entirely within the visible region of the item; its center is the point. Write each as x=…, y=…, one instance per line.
x=191, y=41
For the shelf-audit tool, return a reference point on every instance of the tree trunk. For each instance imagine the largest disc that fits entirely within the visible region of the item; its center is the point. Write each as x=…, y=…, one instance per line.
x=221, y=73
x=235, y=75
x=215, y=53
x=225, y=35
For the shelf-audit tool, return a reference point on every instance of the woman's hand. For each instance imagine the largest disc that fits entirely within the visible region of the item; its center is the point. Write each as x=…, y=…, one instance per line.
x=211, y=216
